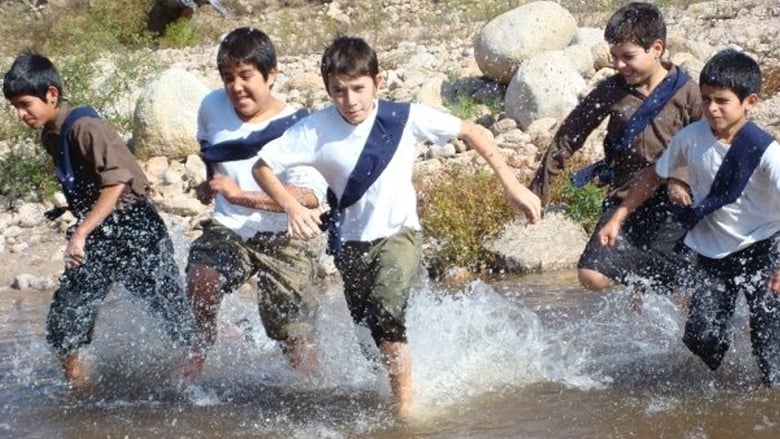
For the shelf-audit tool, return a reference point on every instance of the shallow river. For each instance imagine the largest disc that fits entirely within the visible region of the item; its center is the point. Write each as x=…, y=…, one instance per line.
x=534, y=357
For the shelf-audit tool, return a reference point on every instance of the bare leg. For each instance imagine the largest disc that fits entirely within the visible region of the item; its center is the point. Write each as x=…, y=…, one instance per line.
x=203, y=291
x=300, y=353
x=397, y=360
x=593, y=280
x=75, y=370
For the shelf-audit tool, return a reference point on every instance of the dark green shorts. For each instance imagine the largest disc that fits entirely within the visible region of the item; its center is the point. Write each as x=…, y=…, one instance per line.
x=377, y=278
x=285, y=272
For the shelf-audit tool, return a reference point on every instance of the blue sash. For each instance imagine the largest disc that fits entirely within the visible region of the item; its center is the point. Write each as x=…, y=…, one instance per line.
x=733, y=175
x=380, y=147
x=635, y=125
x=248, y=147
x=62, y=164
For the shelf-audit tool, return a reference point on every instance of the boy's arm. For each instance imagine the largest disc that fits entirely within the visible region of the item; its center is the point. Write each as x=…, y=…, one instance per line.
x=103, y=207
x=642, y=188
x=572, y=134
x=521, y=197
x=226, y=186
x=302, y=223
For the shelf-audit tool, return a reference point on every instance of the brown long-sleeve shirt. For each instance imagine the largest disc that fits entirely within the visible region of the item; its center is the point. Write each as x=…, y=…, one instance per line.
x=99, y=157
x=613, y=98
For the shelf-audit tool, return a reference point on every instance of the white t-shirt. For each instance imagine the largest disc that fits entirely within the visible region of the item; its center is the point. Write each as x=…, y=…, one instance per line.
x=330, y=144
x=754, y=216
x=217, y=123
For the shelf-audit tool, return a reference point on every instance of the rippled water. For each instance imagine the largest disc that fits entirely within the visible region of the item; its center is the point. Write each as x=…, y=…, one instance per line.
x=533, y=357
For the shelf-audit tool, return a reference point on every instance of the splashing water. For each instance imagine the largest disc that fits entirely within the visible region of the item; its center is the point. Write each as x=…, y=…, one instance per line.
x=529, y=357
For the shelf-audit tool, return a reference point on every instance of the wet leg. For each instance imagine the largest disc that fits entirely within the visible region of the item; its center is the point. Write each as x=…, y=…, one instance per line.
x=709, y=326
x=398, y=362
x=204, y=293
x=593, y=280
x=75, y=370
x=300, y=353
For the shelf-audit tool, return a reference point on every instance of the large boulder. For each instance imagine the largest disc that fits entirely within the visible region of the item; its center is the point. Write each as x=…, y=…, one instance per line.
x=166, y=115
x=547, y=85
x=509, y=39
x=554, y=243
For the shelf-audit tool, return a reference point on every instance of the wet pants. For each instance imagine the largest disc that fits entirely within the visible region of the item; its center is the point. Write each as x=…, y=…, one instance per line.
x=709, y=328
x=131, y=247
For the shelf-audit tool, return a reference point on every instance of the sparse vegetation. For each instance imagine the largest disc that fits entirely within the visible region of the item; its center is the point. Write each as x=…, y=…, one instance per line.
x=179, y=34
x=466, y=107
x=459, y=208
x=27, y=173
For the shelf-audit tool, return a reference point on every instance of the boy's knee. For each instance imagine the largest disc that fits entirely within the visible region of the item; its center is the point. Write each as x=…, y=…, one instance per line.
x=593, y=280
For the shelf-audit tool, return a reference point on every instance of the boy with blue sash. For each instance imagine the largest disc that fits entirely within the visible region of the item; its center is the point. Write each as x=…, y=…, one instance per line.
x=118, y=236
x=647, y=101
x=734, y=221
x=365, y=149
x=246, y=234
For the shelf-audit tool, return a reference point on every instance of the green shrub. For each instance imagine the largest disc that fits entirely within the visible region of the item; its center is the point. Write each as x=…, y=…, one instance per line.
x=459, y=209
x=102, y=26
x=27, y=173
x=179, y=34
x=468, y=108
x=583, y=205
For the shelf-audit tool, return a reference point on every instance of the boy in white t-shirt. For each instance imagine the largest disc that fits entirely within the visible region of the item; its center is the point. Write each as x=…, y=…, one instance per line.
x=246, y=234
x=365, y=149
x=735, y=219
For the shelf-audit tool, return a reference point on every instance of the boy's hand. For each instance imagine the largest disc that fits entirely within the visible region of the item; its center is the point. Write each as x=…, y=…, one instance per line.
x=74, y=252
x=773, y=285
x=678, y=193
x=608, y=234
x=303, y=223
x=203, y=193
x=526, y=202
x=224, y=185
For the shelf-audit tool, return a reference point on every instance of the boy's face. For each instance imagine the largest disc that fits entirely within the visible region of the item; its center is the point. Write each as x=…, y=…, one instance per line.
x=35, y=112
x=725, y=113
x=353, y=97
x=636, y=64
x=248, y=90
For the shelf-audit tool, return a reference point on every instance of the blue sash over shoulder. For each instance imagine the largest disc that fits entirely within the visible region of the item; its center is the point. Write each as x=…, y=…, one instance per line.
x=62, y=163
x=380, y=147
x=733, y=175
x=634, y=126
x=248, y=147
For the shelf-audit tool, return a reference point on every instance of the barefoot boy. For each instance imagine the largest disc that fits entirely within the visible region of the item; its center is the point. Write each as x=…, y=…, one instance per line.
x=646, y=102
x=365, y=149
x=734, y=223
x=118, y=237
x=246, y=235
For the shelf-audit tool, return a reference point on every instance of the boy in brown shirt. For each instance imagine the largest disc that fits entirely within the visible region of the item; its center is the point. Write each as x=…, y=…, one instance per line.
x=646, y=103
x=118, y=236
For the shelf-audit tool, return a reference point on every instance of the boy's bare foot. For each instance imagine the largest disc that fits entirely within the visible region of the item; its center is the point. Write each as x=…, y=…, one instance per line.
x=191, y=366
x=75, y=370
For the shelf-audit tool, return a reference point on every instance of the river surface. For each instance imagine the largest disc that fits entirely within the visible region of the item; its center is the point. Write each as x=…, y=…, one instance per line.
x=532, y=357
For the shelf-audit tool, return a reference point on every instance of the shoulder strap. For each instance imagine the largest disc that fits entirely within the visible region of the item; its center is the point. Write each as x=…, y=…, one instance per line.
x=379, y=149
x=635, y=125
x=63, y=165
x=733, y=175
x=249, y=146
